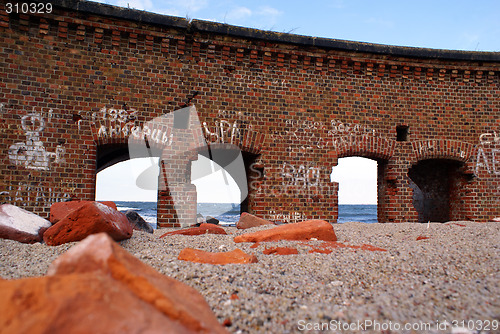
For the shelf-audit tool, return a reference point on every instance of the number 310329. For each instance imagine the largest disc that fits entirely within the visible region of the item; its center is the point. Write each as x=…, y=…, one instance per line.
x=25, y=8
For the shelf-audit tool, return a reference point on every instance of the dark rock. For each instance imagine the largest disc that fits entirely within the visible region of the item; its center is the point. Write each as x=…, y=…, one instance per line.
x=138, y=223
x=212, y=220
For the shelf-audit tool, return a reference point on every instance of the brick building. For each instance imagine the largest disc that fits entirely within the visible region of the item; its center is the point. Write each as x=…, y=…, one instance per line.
x=81, y=85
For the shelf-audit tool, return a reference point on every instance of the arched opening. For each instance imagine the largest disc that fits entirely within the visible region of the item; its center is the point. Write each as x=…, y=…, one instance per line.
x=357, y=196
x=221, y=175
x=117, y=176
x=117, y=183
x=437, y=185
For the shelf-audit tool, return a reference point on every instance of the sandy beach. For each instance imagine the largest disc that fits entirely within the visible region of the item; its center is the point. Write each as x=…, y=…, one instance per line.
x=447, y=280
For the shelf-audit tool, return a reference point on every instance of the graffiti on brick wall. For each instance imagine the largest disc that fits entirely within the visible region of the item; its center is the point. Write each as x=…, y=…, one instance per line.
x=289, y=180
x=121, y=123
x=339, y=128
x=32, y=153
x=425, y=147
x=304, y=136
x=489, y=138
x=288, y=217
x=157, y=133
x=348, y=134
x=223, y=131
x=429, y=147
x=488, y=158
x=300, y=177
x=226, y=131
x=488, y=154
x=34, y=190
x=114, y=122
x=255, y=178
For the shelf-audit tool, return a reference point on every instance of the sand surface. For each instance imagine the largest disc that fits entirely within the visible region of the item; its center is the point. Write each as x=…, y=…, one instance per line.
x=451, y=278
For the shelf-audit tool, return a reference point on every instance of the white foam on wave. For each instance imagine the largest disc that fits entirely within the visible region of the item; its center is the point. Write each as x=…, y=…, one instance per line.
x=124, y=208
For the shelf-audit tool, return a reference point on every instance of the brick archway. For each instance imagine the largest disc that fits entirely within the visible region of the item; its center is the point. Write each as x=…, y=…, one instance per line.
x=373, y=147
x=439, y=189
x=441, y=172
x=441, y=149
x=177, y=199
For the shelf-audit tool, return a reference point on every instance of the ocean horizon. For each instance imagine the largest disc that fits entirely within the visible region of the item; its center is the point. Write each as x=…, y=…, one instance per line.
x=229, y=213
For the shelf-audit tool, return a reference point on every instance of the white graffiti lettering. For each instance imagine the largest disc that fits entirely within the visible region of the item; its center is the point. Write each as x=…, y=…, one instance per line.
x=160, y=134
x=489, y=138
x=302, y=176
x=348, y=134
x=114, y=122
x=224, y=132
x=340, y=129
x=488, y=154
x=288, y=217
x=34, y=191
x=255, y=178
x=490, y=162
x=32, y=153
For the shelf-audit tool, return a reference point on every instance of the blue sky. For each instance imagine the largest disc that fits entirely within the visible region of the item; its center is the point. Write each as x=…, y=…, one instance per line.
x=459, y=25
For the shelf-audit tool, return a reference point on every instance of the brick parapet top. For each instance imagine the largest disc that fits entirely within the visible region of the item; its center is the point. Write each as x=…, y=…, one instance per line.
x=274, y=37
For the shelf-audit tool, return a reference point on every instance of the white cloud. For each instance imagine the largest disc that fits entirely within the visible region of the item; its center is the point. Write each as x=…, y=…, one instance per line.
x=269, y=11
x=181, y=8
x=261, y=17
x=239, y=13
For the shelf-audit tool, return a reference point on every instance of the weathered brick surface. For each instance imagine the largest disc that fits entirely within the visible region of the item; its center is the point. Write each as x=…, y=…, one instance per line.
x=74, y=83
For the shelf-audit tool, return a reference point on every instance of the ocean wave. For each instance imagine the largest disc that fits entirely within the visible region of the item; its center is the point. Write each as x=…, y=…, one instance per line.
x=127, y=208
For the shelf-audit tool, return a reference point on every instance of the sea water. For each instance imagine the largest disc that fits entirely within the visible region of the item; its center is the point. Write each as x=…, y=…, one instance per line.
x=228, y=214
x=364, y=213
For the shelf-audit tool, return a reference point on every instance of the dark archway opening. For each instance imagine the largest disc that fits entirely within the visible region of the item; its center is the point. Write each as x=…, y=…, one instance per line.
x=437, y=185
x=110, y=154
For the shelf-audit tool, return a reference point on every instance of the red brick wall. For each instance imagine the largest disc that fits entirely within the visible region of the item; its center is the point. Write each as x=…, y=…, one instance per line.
x=73, y=80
